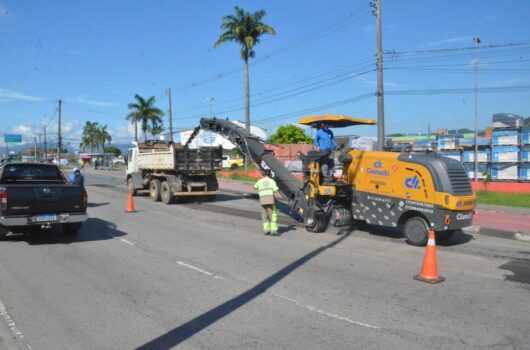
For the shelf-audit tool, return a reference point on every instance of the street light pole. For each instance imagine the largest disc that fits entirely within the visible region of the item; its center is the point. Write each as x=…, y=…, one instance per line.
x=380, y=87
x=477, y=42
x=210, y=99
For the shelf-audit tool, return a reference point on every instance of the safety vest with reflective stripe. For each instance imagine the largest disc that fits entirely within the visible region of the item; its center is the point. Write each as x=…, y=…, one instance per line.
x=266, y=188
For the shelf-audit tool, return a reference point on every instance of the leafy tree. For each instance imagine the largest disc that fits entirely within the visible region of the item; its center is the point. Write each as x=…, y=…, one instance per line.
x=113, y=149
x=143, y=111
x=245, y=29
x=94, y=136
x=156, y=129
x=102, y=136
x=290, y=134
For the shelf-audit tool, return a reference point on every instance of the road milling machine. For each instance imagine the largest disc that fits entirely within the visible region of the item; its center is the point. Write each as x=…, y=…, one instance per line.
x=413, y=192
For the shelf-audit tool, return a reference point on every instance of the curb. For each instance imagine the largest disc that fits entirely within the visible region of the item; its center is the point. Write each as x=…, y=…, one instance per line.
x=493, y=232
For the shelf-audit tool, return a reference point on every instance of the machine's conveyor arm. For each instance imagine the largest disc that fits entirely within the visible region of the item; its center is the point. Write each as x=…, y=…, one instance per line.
x=253, y=147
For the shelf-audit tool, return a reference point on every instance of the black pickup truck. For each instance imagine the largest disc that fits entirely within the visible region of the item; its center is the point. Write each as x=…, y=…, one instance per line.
x=39, y=196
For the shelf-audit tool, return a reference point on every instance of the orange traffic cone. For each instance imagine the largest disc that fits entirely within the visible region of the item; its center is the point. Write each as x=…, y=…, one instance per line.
x=429, y=271
x=130, y=204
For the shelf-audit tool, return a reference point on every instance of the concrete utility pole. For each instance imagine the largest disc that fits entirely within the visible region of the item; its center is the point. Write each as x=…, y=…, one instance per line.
x=477, y=42
x=380, y=89
x=59, y=138
x=35, y=139
x=45, y=146
x=170, y=116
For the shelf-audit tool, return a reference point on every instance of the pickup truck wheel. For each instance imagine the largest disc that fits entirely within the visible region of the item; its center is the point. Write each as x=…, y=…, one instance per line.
x=234, y=166
x=3, y=233
x=416, y=231
x=165, y=193
x=130, y=186
x=71, y=229
x=154, y=190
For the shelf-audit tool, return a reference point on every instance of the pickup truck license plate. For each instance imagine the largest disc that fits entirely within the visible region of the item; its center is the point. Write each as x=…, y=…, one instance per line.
x=45, y=218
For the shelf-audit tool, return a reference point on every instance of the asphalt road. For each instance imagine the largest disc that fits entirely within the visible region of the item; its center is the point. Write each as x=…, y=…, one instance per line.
x=201, y=276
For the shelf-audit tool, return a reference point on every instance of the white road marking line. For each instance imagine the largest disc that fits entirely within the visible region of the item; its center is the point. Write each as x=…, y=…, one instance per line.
x=126, y=241
x=11, y=324
x=314, y=309
x=194, y=268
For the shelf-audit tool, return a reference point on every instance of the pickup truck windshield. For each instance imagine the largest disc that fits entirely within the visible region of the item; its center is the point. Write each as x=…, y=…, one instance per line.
x=30, y=173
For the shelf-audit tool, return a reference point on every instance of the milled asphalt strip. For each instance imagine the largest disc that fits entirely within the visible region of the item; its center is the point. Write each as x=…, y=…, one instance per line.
x=314, y=309
x=17, y=334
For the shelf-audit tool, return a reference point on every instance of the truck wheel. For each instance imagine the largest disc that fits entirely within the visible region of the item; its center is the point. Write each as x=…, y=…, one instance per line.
x=444, y=235
x=316, y=221
x=3, y=232
x=416, y=231
x=234, y=166
x=71, y=229
x=165, y=193
x=130, y=186
x=154, y=190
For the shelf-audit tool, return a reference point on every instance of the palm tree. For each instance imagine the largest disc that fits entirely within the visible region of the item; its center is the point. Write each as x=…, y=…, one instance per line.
x=146, y=113
x=245, y=29
x=102, y=136
x=87, y=138
x=156, y=129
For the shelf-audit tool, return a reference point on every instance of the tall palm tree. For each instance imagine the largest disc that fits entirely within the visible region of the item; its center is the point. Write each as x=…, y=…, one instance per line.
x=246, y=29
x=146, y=113
x=102, y=136
x=87, y=138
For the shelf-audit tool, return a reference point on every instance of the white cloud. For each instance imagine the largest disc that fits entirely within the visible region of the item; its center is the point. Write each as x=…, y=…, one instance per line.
x=24, y=129
x=84, y=100
x=76, y=53
x=122, y=133
x=9, y=95
x=451, y=41
x=3, y=11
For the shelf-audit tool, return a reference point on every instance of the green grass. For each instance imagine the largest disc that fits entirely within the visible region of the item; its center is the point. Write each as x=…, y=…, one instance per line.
x=504, y=198
x=241, y=177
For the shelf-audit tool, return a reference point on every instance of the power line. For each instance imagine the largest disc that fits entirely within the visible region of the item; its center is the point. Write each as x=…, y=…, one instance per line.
x=338, y=24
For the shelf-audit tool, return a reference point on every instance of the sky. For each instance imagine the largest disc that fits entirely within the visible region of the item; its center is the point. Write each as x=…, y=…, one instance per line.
x=96, y=55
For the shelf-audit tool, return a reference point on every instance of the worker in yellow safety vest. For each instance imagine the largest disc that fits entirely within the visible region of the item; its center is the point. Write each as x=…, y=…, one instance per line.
x=267, y=187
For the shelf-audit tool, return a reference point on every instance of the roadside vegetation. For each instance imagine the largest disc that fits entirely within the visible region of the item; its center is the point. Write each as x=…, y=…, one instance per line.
x=504, y=198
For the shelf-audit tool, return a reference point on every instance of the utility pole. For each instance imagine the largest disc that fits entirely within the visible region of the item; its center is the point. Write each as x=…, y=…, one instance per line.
x=45, y=146
x=380, y=90
x=477, y=42
x=170, y=117
x=35, y=139
x=59, y=138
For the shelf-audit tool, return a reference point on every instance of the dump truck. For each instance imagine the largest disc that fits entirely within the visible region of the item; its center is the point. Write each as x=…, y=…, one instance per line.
x=414, y=192
x=171, y=173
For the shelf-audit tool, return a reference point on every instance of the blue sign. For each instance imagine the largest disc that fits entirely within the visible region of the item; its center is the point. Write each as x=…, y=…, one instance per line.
x=12, y=138
x=413, y=182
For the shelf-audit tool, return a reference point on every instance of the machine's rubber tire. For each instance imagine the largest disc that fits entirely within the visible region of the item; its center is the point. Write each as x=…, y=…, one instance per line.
x=130, y=187
x=72, y=229
x=444, y=235
x=165, y=193
x=154, y=190
x=416, y=231
x=234, y=166
x=319, y=221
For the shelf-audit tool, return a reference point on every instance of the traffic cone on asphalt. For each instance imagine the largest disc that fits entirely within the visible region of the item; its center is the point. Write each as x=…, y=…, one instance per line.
x=130, y=204
x=429, y=271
